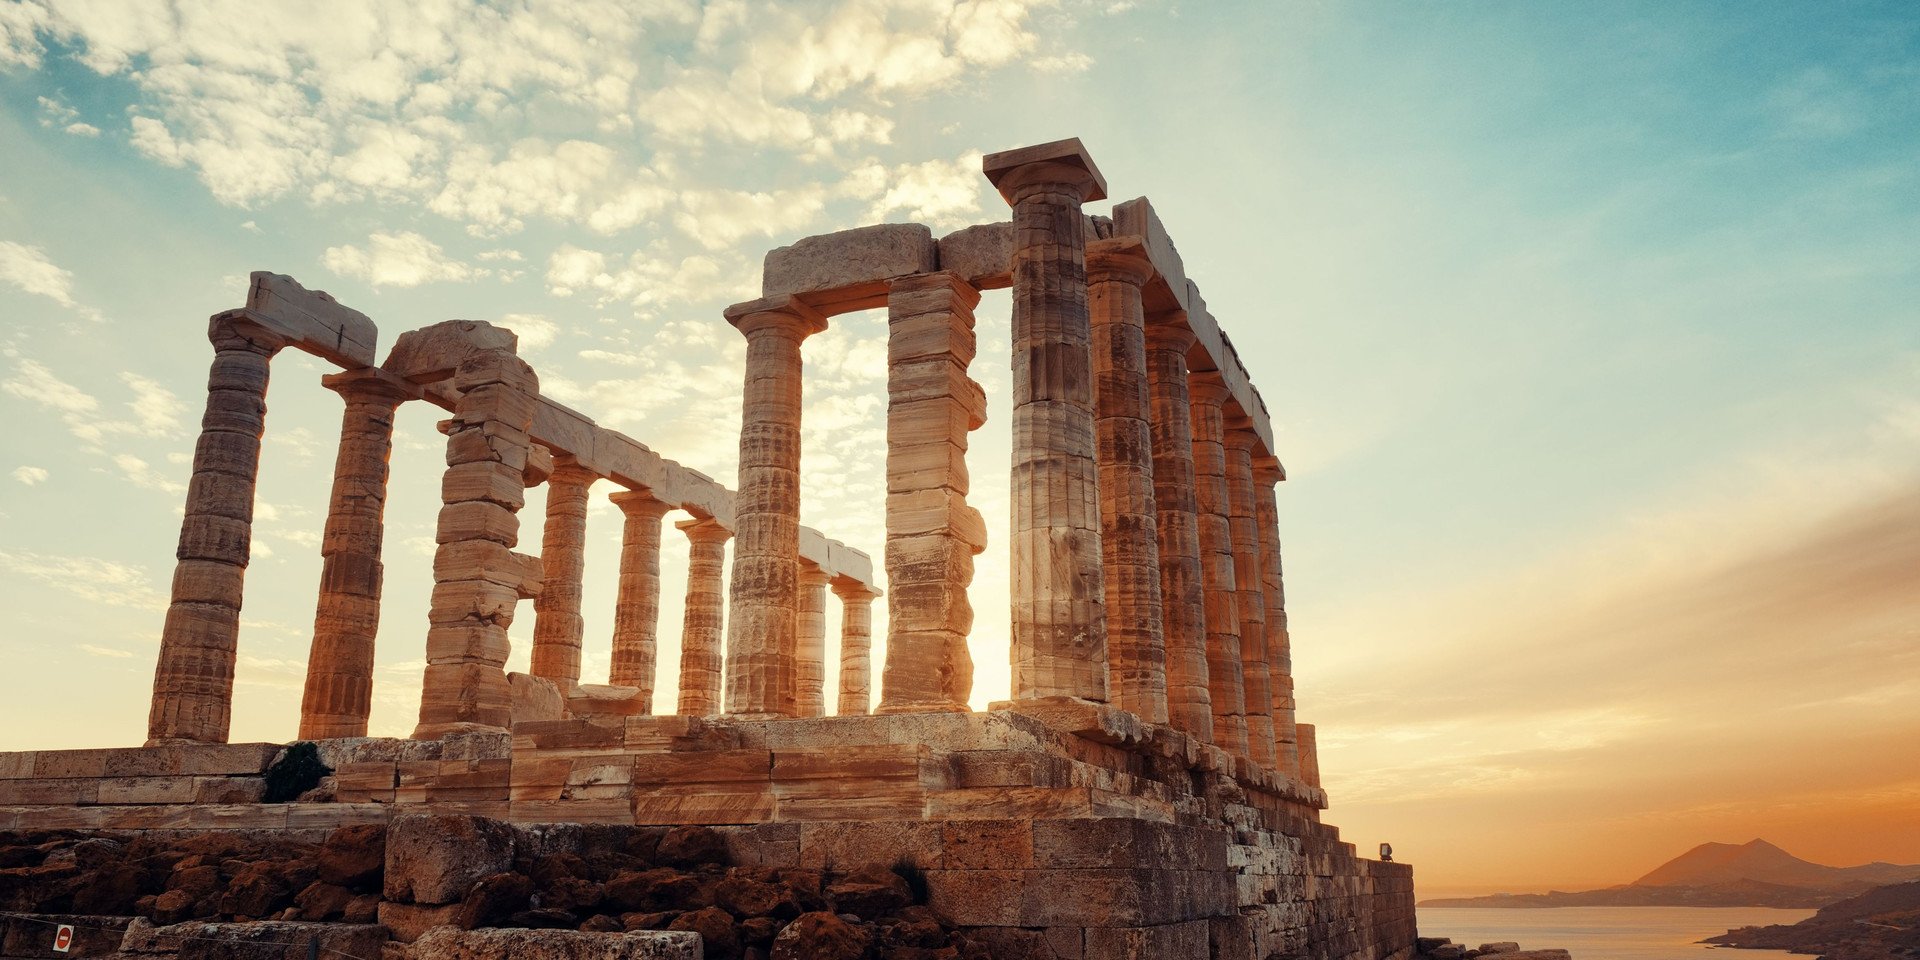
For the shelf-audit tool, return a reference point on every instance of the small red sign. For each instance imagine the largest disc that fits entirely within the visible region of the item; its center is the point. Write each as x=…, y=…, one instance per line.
x=62, y=939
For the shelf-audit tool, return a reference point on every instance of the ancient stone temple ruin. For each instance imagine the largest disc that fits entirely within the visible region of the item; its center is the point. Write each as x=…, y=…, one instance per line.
x=1143, y=790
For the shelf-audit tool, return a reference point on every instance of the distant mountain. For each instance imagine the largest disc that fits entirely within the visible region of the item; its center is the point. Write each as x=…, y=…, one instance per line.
x=1881, y=924
x=1752, y=874
x=1710, y=864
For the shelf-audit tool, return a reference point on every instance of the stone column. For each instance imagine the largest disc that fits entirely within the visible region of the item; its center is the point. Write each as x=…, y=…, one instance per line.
x=932, y=534
x=339, y=691
x=1129, y=545
x=1059, y=591
x=760, y=637
x=1249, y=592
x=1309, y=755
x=478, y=579
x=1267, y=472
x=1177, y=528
x=856, y=639
x=1226, y=679
x=557, y=624
x=700, y=633
x=193, y=680
x=636, y=611
x=810, y=643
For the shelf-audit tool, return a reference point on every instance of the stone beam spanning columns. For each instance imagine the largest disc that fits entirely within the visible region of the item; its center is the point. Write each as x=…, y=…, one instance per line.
x=766, y=509
x=557, y=624
x=810, y=643
x=193, y=681
x=1059, y=606
x=700, y=633
x=339, y=689
x=1250, y=591
x=1225, y=675
x=478, y=579
x=932, y=534
x=1177, y=526
x=856, y=640
x=636, y=611
x=1267, y=472
x=1136, y=632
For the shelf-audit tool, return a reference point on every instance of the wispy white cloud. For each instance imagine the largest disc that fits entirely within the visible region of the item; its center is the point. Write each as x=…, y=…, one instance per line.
x=28, y=269
x=90, y=578
x=30, y=475
x=156, y=411
x=404, y=259
x=112, y=652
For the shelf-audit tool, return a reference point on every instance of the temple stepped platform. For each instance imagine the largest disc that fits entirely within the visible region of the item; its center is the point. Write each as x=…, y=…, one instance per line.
x=1046, y=823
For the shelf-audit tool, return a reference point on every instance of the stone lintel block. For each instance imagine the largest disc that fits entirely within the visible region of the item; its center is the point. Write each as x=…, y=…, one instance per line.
x=1167, y=289
x=739, y=807
x=937, y=511
x=570, y=737
x=982, y=255
x=846, y=270
x=312, y=320
x=1003, y=169
x=434, y=352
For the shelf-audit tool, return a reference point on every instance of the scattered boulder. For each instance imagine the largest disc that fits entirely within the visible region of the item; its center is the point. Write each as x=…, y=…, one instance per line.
x=870, y=892
x=353, y=856
x=1502, y=946
x=322, y=900
x=716, y=929
x=409, y=921
x=820, y=936
x=745, y=897
x=688, y=846
x=494, y=899
x=437, y=858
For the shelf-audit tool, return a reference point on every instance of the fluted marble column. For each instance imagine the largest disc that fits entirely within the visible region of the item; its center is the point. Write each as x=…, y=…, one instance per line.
x=856, y=640
x=1059, y=644
x=557, y=624
x=1177, y=529
x=765, y=589
x=339, y=688
x=701, y=630
x=636, y=610
x=1250, y=593
x=1136, y=632
x=1267, y=471
x=193, y=680
x=932, y=533
x=1225, y=676
x=810, y=643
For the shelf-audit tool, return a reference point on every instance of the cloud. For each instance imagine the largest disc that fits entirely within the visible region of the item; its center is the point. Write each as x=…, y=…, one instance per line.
x=54, y=113
x=28, y=269
x=142, y=475
x=940, y=193
x=647, y=281
x=113, y=652
x=404, y=259
x=90, y=578
x=30, y=475
x=536, y=332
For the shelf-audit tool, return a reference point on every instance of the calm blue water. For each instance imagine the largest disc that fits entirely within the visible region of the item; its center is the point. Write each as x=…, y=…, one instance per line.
x=1609, y=933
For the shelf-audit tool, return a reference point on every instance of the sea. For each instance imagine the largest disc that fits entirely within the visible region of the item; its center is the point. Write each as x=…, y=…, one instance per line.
x=1609, y=933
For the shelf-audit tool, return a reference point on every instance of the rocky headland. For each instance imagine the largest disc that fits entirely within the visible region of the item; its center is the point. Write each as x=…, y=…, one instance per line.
x=1881, y=924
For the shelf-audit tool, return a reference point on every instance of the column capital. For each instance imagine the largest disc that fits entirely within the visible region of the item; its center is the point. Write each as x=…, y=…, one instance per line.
x=940, y=281
x=1169, y=331
x=1208, y=387
x=703, y=530
x=1061, y=162
x=370, y=385
x=1118, y=260
x=1240, y=435
x=1268, y=470
x=238, y=330
x=850, y=590
x=640, y=503
x=812, y=576
x=782, y=314
x=569, y=470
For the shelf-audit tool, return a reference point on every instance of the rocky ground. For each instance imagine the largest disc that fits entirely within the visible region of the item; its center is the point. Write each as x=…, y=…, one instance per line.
x=1881, y=924
x=469, y=873
x=1443, y=948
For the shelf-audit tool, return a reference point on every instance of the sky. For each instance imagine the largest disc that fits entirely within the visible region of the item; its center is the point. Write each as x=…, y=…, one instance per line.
x=1590, y=333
